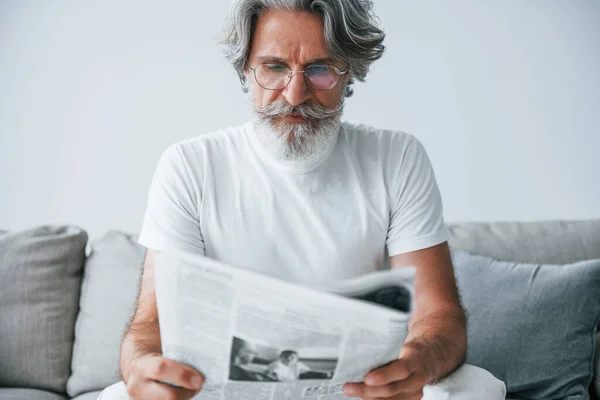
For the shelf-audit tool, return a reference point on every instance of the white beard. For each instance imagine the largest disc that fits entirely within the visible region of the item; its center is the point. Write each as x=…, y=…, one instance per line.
x=297, y=141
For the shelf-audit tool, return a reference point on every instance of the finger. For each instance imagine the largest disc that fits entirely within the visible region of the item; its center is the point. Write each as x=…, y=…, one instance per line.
x=153, y=390
x=171, y=392
x=414, y=396
x=404, y=388
x=165, y=370
x=397, y=370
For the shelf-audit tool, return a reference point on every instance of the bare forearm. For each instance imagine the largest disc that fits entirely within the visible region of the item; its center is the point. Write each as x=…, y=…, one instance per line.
x=443, y=337
x=141, y=338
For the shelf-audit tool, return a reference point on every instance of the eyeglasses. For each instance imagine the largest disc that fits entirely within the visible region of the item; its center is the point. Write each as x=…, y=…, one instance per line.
x=316, y=76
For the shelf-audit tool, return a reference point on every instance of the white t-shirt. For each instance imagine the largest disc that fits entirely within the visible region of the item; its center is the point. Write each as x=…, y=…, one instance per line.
x=287, y=373
x=223, y=195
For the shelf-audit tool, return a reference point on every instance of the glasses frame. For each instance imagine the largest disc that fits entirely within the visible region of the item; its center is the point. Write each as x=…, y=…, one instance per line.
x=293, y=71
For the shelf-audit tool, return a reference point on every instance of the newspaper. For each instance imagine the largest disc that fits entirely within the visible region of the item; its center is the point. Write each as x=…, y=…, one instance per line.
x=257, y=337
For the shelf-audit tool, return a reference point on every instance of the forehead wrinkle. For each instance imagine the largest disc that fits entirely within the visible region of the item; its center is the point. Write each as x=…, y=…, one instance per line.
x=290, y=36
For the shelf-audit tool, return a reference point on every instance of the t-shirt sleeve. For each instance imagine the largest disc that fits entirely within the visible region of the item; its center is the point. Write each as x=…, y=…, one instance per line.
x=171, y=217
x=416, y=212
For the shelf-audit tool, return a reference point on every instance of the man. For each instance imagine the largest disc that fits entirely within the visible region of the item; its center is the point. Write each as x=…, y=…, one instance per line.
x=288, y=368
x=299, y=195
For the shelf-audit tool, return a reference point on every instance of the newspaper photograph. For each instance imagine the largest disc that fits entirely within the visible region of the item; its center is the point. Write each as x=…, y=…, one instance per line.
x=253, y=336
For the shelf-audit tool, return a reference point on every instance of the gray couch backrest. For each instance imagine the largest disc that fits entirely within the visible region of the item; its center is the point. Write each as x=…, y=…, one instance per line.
x=552, y=242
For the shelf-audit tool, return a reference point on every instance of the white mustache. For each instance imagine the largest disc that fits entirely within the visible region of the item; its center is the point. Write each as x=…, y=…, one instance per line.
x=309, y=110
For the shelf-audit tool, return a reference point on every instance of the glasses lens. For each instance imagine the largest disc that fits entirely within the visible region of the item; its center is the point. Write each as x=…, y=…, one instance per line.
x=272, y=76
x=322, y=76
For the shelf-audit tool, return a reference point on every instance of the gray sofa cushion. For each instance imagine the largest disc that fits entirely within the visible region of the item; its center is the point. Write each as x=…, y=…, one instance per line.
x=549, y=242
x=531, y=325
x=40, y=278
x=28, y=394
x=108, y=295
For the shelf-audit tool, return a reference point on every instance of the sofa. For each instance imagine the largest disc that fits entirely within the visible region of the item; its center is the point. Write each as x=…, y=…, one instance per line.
x=65, y=302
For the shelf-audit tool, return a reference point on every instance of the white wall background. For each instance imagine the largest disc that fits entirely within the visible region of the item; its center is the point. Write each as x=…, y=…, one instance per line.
x=504, y=94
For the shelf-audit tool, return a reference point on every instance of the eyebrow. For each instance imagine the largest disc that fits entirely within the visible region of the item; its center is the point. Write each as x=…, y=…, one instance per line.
x=279, y=60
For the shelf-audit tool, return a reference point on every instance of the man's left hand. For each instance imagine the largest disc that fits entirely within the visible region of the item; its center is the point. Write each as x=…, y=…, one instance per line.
x=402, y=379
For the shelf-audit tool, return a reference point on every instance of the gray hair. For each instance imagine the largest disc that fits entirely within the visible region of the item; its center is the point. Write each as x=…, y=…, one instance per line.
x=351, y=32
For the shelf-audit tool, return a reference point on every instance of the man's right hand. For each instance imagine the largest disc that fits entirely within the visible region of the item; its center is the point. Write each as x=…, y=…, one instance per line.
x=153, y=377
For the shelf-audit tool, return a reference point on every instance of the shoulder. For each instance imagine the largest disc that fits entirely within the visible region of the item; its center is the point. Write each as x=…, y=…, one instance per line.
x=219, y=140
x=379, y=142
x=189, y=160
x=216, y=144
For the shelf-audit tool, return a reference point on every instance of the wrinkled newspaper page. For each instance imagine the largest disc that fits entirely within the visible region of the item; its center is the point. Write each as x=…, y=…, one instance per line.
x=258, y=337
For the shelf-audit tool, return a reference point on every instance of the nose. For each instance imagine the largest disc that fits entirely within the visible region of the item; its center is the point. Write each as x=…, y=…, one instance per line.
x=297, y=91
